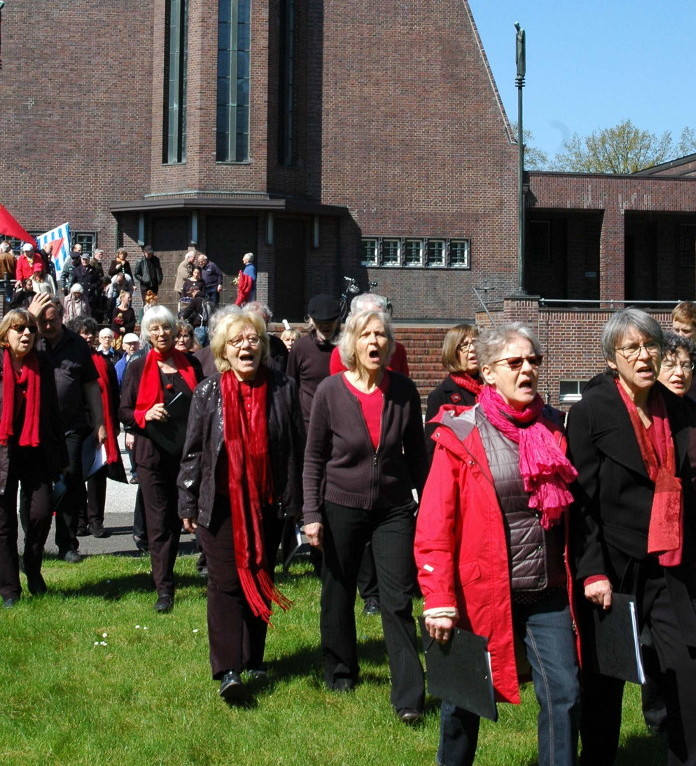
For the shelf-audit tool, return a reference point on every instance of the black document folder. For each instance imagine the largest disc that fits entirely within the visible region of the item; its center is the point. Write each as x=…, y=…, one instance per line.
x=617, y=640
x=460, y=671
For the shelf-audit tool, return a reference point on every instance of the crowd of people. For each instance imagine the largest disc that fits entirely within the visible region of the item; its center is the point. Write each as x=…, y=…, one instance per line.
x=512, y=521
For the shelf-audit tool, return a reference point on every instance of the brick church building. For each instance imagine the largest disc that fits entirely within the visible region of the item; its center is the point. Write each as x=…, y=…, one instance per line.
x=330, y=138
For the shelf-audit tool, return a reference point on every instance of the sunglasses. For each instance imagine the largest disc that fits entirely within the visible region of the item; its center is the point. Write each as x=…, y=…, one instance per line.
x=20, y=328
x=516, y=362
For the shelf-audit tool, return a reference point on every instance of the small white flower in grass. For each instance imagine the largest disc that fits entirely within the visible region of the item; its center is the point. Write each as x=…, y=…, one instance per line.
x=104, y=635
x=144, y=627
x=195, y=630
x=137, y=627
x=102, y=643
x=96, y=643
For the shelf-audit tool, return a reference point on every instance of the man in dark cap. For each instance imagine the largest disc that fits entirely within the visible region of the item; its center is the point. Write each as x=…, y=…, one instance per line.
x=309, y=357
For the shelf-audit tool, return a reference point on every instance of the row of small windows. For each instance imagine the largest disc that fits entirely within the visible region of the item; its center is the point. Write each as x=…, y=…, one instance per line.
x=414, y=252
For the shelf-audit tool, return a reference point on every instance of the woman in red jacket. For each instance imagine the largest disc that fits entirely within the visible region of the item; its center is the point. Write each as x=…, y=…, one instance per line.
x=490, y=541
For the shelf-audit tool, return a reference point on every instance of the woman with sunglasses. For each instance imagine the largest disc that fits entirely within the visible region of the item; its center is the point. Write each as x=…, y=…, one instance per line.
x=32, y=451
x=633, y=526
x=463, y=382
x=490, y=544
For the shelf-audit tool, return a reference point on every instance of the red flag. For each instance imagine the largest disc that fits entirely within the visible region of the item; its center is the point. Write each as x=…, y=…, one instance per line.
x=10, y=227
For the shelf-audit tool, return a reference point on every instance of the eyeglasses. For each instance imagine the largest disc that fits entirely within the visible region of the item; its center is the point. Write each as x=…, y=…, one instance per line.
x=240, y=340
x=465, y=345
x=20, y=328
x=685, y=366
x=632, y=352
x=516, y=362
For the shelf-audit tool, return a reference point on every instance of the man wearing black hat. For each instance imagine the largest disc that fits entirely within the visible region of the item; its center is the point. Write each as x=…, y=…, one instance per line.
x=310, y=356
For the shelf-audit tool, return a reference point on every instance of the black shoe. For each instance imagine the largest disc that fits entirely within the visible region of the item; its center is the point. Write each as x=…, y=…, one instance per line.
x=164, y=603
x=371, y=607
x=134, y=480
x=36, y=584
x=82, y=531
x=257, y=674
x=71, y=556
x=9, y=602
x=97, y=530
x=342, y=684
x=203, y=572
x=141, y=544
x=409, y=715
x=230, y=685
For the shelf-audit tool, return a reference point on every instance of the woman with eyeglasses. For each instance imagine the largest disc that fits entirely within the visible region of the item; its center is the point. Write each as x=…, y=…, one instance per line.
x=491, y=544
x=32, y=452
x=463, y=382
x=155, y=399
x=678, y=359
x=633, y=527
x=240, y=476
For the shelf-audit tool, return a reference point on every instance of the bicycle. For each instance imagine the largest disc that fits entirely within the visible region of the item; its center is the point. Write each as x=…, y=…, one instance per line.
x=350, y=290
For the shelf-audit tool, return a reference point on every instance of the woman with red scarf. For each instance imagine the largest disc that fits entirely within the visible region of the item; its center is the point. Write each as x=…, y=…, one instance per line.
x=91, y=520
x=463, y=383
x=491, y=542
x=32, y=451
x=155, y=397
x=633, y=526
x=240, y=477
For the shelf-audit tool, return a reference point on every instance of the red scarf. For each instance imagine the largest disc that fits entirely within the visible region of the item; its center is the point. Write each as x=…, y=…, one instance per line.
x=250, y=488
x=546, y=471
x=29, y=375
x=666, y=530
x=465, y=381
x=113, y=453
x=150, y=389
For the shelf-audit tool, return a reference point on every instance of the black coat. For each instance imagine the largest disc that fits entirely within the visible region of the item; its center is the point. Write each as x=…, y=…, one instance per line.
x=613, y=494
x=204, y=440
x=446, y=392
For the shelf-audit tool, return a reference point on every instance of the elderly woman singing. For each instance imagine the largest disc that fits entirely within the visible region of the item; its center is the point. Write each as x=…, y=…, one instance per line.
x=365, y=454
x=157, y=389
x=240, y=477
x=32, y=451
x=633, y=525
x=490, y=543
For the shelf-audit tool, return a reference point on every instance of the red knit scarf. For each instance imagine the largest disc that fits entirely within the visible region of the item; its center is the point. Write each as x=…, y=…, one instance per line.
x=465, y=381
x=112, y=451
x=546, y=471
x=29, y=375
x=250, y=488
x=666, y=530
x=150, y=389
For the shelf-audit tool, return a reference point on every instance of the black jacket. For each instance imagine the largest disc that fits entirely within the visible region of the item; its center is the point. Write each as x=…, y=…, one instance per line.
x=446, y=392
x=204, y=441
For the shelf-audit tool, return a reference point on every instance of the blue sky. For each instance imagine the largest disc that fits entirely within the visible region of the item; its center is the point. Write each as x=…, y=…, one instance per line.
x=592, y=64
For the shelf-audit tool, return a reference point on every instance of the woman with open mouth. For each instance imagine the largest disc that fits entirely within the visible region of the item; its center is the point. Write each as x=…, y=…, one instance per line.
x=240, y=477
x=633, y=526
x=365, y=455
x=491, y=544
x=32, y=451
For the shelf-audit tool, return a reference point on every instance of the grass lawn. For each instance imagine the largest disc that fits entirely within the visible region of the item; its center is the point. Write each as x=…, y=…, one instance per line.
x=92, y=675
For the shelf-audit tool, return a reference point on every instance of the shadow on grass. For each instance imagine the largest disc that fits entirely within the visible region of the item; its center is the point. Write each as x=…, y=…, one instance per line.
x=642, y=750
x=115, y=587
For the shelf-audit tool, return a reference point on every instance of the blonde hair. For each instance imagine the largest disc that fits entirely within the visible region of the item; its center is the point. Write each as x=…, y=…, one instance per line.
x=12, y=319
x=232, y=324
x=289, y=334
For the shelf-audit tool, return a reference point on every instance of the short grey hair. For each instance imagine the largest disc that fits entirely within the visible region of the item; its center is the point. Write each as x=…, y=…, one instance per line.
x=354, y=326
x=491, y=342
x=627, y=319
x=156, y=315
x=261, y=308
x=249, y=257
x=366, y=301
x=223, y=311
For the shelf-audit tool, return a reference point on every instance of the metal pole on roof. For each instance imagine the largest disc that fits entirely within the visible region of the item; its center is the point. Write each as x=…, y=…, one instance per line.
x=521, y=60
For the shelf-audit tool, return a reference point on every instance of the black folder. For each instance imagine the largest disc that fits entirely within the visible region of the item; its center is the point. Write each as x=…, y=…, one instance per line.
x=617, y=640
x=170, y=435
x=459, y=671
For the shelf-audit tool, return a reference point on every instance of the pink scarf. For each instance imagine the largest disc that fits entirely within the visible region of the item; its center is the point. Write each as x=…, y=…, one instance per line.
x=546, y=471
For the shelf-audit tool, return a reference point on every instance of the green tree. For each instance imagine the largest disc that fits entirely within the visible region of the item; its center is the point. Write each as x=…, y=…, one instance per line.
x=622, y=149
x=687, y=142
x=534, y=158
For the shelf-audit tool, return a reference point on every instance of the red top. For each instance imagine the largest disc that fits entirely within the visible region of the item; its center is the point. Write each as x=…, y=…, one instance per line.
x=398, y=362
x=371, y=405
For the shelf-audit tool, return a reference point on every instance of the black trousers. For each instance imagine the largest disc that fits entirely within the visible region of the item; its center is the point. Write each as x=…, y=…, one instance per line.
x=391, y=531
x=27, y=467
x=602, y=696
x=236, y=637
x=96, y=497
x=74, y=501
x=160, y=499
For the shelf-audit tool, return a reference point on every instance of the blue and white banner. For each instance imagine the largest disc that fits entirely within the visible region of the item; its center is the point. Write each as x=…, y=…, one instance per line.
x=60, y=239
